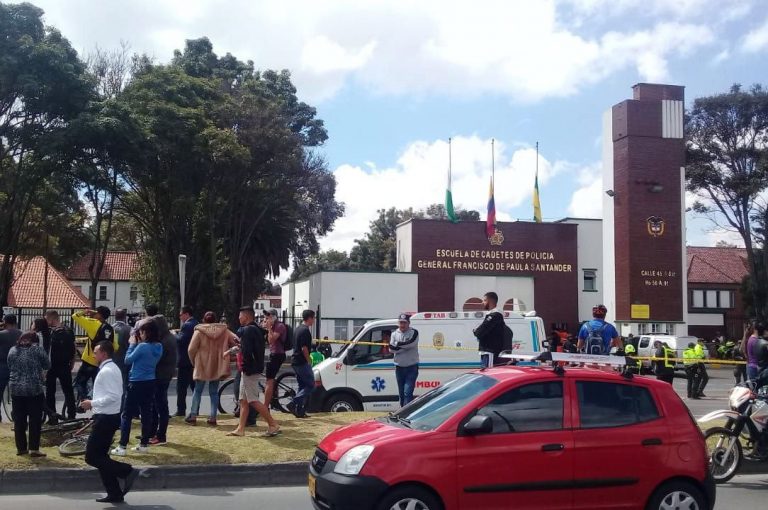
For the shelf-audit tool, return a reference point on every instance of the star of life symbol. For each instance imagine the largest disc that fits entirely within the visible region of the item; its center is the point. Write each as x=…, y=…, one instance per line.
x=378, y=384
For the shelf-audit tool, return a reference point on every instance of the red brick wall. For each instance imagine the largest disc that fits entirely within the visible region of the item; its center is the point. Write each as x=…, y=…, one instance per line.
x=556, y=289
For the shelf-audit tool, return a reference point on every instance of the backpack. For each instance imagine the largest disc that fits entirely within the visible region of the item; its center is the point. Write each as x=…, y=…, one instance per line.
x=594, y=341
x=507, y=337
x=288, y=342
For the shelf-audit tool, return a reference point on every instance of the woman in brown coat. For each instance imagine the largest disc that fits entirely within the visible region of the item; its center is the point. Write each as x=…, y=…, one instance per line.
x=206, y=351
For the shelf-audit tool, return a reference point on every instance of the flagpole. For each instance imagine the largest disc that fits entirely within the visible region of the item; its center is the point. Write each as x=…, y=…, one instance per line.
x=449, y=163
x=493, y=161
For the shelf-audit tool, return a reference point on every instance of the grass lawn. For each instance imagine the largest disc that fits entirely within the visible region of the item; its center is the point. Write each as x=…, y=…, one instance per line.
x=203, y=444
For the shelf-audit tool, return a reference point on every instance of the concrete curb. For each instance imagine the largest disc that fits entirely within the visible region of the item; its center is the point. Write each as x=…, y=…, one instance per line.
x=159, y=477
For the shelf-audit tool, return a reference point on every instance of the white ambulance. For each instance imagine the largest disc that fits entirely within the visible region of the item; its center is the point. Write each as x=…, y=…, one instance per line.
x=360, y=376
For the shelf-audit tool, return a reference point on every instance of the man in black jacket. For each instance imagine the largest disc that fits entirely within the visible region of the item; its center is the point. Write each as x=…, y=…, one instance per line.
x=184, y=379
x=250, y=362
x=490, y=333
x=61, y=350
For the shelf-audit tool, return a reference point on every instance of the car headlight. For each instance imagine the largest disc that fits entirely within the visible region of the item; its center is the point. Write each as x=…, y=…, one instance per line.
x=353, y=461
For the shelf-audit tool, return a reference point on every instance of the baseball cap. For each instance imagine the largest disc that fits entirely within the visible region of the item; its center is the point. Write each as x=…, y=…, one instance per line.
x=403, y=317
x=272, y=312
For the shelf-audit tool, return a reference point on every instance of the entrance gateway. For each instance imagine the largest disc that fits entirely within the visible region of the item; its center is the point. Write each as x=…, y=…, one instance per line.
x=633, y=260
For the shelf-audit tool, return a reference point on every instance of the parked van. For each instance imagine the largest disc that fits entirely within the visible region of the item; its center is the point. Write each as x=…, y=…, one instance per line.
x=678, y=343
x=362, y=377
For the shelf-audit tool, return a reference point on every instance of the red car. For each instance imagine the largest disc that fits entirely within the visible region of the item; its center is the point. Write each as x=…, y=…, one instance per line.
x=522, y=438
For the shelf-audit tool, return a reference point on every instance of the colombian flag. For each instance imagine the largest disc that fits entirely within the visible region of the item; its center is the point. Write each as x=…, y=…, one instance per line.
x=490, y=222
x=536, y=200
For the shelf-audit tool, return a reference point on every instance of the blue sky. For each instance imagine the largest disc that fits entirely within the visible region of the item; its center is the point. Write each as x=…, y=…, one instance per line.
x=394, y=79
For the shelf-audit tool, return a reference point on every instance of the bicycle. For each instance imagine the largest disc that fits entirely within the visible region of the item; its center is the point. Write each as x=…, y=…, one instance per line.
x=286, y=388
x=76, y=433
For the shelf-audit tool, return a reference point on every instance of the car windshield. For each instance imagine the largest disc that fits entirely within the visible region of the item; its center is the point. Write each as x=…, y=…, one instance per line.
x=432, y=409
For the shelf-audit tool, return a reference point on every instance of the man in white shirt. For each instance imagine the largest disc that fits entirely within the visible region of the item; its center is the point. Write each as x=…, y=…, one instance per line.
x=107, y=397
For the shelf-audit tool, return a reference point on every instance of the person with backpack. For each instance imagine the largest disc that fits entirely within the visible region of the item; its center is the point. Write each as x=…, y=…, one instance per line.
x=61, y=351
x=490, y=333
x=597, y=337
x=280, y=340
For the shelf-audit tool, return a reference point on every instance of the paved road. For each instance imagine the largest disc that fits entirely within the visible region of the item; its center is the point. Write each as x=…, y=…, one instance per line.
x=747, y=492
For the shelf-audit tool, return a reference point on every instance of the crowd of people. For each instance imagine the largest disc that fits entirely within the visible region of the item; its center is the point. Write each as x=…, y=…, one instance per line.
x=129, y=370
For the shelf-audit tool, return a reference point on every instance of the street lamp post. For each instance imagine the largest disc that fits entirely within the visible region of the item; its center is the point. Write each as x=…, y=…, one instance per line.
x=182, y=275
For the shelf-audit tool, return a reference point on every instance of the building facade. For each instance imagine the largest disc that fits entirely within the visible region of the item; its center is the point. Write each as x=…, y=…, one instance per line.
x=116, y=287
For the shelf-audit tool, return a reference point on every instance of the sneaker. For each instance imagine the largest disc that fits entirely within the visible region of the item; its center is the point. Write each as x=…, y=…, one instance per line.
x=37, y=453
x=119, y=451
x=191, y=420
x=141, y=448
x=211, y=421
x=157, y=442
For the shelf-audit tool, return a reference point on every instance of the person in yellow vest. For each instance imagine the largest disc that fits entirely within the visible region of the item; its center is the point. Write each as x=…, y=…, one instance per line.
x=689, y=360
x=664, y=368
x=94, y=323
x=633, y=367
x=701, y=369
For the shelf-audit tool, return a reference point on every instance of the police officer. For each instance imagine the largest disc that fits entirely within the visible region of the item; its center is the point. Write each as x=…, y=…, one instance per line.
x=689, y=360
x=701, y=370
x=633, y=368
x=664, y=368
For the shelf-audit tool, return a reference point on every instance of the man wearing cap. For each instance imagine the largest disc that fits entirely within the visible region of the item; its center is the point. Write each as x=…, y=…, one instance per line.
x=276, y=332
x=490, y=332
x=94, y=322
x=405, y=346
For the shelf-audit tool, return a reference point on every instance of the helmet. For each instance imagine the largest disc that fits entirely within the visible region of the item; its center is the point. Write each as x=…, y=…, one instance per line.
x=316, y=357
x=599, y=311
x=629, y=349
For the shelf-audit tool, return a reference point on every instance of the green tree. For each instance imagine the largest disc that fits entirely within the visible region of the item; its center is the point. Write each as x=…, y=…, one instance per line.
x=43, y=87
x=727, y=168
x=330, y=260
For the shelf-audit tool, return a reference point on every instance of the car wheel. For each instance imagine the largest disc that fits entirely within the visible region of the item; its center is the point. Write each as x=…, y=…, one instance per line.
x=410, y=498
x=342, y=403
x=677, y=496
x=725, y=453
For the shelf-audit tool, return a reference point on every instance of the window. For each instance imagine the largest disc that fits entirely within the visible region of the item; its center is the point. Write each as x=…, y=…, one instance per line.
x=603, y=404
x=590, y=280
x=357, y=325
x=340, y=330
x=134, y=293
x=78, y=287
x=725, y=299
x=645, y=341
x=472, y=304
x=642, y=328
x=712, y=299
x=528, y=408
x=102, y=292
x=370, y=353
x=698, y=299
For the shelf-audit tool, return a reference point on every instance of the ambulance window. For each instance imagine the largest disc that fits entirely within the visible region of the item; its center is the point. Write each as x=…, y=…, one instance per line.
x=528, y=408
x=370, y=353
x=644, y=341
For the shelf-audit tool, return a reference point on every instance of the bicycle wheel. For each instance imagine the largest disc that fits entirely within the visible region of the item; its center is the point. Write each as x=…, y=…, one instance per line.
x=65, y=426
x=73, y=446
x=227, y=400
x=286, y=387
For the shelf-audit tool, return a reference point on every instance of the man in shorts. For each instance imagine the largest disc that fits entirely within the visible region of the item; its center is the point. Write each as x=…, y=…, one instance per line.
x=250, y=363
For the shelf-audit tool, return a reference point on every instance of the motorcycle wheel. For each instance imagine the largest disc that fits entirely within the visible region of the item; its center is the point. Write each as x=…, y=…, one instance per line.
x=723, y=464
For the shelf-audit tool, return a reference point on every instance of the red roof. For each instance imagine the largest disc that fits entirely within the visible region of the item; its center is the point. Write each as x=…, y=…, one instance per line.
x=717, y=265
x=118, y=266
x=28, y=285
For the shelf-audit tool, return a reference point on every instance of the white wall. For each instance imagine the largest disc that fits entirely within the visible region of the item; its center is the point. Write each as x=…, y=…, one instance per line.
x=404, y=235
x=507, y=287
x=368, y=295
x=590, y=256
x=609, y=248
x=118, y=294
x=706, y=319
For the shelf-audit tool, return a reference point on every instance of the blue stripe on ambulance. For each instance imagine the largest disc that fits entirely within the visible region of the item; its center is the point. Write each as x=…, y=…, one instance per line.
x=535, y=336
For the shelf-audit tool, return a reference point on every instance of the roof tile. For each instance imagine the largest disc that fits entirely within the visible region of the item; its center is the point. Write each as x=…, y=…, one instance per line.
x=29, y=284
x=717, y=265
x=118, y=266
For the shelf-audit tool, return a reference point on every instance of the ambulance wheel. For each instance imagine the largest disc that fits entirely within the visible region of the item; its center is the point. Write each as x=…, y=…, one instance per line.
x=410, y=497
x=342, y=403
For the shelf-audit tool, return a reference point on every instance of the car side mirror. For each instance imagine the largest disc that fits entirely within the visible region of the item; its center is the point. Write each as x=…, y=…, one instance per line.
x=545, y=344
x=478, y=424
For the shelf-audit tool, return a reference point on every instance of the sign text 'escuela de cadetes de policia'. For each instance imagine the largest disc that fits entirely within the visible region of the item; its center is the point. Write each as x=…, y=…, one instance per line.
x=494, y=260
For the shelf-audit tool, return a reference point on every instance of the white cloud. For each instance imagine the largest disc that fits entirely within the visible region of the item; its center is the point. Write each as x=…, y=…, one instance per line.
x=418, y=179
x=757, y=39
x=587, y=200
x=522, y=50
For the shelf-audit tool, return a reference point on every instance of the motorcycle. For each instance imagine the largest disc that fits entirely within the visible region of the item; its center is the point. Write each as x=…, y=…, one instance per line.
x=745, y=422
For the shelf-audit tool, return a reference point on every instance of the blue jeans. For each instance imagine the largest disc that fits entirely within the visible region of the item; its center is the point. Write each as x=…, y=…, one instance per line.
x=752, y=372
x=306, y=380
x=139, y=400
x=406, y=382
x=197, y=396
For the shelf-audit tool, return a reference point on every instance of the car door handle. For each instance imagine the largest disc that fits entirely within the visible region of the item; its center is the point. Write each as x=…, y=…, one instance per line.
x=652, y=441
x=555, y=447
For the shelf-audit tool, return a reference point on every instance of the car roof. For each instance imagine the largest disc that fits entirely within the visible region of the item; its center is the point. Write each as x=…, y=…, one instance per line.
x=523, y=373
